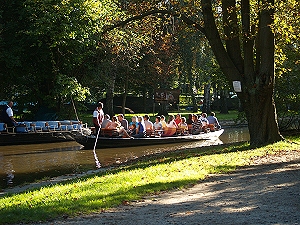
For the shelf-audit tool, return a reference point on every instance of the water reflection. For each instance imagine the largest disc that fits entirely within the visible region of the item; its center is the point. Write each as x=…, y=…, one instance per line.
x=232, y=135
x=27, y=163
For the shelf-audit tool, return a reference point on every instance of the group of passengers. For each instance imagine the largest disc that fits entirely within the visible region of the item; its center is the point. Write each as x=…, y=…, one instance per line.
x=141, y=126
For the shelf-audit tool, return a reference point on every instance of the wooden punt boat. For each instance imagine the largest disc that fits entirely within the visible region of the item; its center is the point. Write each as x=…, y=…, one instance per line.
x=88, y=141
x=38, y=132
x=35, y=138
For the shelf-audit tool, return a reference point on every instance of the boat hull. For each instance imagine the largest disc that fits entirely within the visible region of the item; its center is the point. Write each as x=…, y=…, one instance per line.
x=34, y=138
x=116, y=142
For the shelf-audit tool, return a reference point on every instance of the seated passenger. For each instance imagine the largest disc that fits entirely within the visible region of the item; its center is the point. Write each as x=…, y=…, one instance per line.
x=105, y=121
x=132, y=126
x=133, y=121
x=183, y=126
x=163, y=121
x=171, y=122
x=148, y=123
x=123, y=121
x=140, y=129
x=132, y=130
x=204, y=122
x=190, y=119
x=197, y=125
x=189, y=122
x=178, y=119
x=213, y=122
x=171, y=127
x=115, y=124
x=157, y=125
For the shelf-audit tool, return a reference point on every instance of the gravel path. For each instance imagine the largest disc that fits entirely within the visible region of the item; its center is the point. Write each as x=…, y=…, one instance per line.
x=267, y=192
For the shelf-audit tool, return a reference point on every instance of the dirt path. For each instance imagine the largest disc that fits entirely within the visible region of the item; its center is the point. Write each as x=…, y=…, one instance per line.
x=267, y=192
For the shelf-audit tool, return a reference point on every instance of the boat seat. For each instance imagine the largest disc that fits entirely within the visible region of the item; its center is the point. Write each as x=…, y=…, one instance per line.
x=2, y=127
x=53, y=125
x=158, y=133
x=179, y=131
x=8, y=129
x=77, y=126
x=29, y=126
x=190, y=128
x=211, y=127
x=168, y=131
x=40, y=126
x=150, y=133
x=109, y=132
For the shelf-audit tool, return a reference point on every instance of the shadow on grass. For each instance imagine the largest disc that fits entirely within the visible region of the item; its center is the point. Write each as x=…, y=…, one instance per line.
x=27, y=213
x=95, y=202
x=168, y=157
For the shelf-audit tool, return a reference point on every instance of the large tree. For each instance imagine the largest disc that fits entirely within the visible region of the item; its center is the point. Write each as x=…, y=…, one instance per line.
x=241, y=37
x=248, y=58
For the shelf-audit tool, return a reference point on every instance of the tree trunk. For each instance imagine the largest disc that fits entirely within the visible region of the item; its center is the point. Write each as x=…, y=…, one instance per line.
x=206, y=102
x=125, y=95
x=110, y=101
x=192, y=91
x=110, y=93
x=262, y=120
x=223, y=105
x=257, y=83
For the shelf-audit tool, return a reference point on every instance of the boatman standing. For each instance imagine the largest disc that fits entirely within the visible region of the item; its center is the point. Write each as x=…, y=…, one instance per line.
x=8, y=115
x=98, y=116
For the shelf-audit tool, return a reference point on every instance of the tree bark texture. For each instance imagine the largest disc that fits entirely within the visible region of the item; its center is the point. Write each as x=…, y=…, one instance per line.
x=125, y=94
x=206, y=102
x=110, y=93
x=256, y=72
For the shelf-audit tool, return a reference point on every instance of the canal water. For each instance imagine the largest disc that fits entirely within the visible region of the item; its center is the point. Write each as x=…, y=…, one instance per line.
x=27, y=163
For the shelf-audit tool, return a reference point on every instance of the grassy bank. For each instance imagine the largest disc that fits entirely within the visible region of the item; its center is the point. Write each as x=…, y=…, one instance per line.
x=130, y=182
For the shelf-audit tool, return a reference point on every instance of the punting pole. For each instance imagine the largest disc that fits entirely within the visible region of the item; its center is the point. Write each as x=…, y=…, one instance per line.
x=74, y=108
x=98, y=165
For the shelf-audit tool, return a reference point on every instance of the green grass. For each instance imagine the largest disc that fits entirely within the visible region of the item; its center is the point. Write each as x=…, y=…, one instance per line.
x=131, y=182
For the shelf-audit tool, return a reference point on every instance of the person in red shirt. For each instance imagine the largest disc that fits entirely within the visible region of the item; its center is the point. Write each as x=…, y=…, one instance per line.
x=178, y=119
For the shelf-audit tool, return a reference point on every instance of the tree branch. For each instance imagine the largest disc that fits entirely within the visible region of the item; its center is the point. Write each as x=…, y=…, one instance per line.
x=188, y=21
x=184, y=18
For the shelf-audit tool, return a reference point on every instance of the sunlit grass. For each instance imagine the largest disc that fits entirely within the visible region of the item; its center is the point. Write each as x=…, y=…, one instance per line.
x=131, y=182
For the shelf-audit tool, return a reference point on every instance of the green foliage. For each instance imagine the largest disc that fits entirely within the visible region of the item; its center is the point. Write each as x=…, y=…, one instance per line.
x=287, y=29
x=68, y=86
x=42, y=41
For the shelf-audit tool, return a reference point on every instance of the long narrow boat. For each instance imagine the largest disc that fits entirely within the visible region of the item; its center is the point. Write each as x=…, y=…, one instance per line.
x=35, y=138
x=88, y=141
x=38, y=132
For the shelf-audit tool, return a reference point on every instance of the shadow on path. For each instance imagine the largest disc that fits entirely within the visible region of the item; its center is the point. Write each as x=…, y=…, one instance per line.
x=260, y=194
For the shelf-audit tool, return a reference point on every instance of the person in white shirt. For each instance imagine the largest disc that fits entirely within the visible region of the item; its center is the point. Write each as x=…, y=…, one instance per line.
x=205, y=122
x=98, y=116
x=157, y=125
x=105, y=121
x=148, y=123
x=8, y=115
